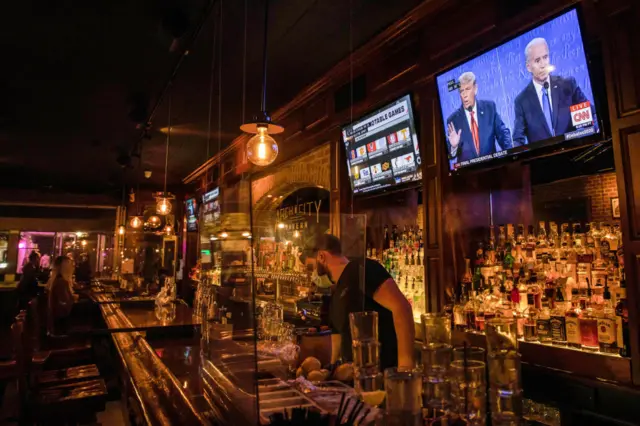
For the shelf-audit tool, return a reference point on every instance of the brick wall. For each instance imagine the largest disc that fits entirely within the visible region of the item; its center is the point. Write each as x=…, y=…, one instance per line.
x=599, y=188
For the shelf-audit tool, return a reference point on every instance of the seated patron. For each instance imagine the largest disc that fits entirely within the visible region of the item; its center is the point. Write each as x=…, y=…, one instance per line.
x=61, y=298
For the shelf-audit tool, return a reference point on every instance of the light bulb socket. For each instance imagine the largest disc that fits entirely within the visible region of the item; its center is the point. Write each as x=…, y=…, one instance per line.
x=262, y=119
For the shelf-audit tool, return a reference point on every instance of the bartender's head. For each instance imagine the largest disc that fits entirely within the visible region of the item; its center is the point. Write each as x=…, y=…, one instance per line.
x=325, y=251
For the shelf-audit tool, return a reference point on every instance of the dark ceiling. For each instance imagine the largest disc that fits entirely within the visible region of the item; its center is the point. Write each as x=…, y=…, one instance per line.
x=78, y=76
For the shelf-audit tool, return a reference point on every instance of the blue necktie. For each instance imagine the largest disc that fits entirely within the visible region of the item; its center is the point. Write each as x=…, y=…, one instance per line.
x=546, y=108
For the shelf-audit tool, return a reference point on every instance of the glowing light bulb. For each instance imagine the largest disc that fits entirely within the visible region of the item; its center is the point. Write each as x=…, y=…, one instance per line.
x=262, y=149
x=224, y=234
x=163, y=207
x=246, y=234
x=84, y=243
x=168, y=229
x=296, y=234
x=135, y=222
x=121, y=230
x=281, y=225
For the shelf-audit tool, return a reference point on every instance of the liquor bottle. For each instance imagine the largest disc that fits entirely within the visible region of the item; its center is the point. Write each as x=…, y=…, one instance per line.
x=479, y=308
x=530, y=319
x=607, y=323
x=622, y=318
x=531, y=243
x=490, y=252
x=558, y=323
x=541, y=243
x=589, y=328
x=502, y=239
x=470, y=311
x=394, y=236
x=477, y=280
x=508, y=260
x=605, y=246
x=467, y=277
x=565, y=238
x=543, y=325
x=386, y=243
x=520, y=238
x=572, y=320
x=553, y=240
x=459, y=319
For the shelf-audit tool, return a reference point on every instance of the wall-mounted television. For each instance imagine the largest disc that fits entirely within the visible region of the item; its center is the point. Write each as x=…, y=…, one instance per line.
x=382, y=148
x=191, y=205
x=531, y=92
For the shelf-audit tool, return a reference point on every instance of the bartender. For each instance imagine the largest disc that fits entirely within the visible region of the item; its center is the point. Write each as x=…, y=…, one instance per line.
x=378, y=292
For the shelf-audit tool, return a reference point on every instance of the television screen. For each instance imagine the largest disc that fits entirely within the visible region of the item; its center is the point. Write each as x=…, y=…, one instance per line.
x=192, y=214
x=530, y=92
x=382, y=148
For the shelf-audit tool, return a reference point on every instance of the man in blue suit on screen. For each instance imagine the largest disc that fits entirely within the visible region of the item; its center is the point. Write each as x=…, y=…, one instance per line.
x=474, y=129
x=542, y=108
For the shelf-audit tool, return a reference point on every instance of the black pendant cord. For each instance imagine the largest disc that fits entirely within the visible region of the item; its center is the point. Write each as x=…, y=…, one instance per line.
x=166, y=153
x=264, y=56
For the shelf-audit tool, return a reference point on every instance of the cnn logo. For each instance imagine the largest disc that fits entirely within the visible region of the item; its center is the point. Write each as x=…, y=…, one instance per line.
x=581, y=114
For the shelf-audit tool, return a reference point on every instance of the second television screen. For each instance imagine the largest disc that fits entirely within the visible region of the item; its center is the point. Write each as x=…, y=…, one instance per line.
x=529, y=92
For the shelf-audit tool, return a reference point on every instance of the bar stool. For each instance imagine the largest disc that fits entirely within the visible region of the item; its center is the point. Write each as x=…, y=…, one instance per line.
x=74, y=398
x=55, y=351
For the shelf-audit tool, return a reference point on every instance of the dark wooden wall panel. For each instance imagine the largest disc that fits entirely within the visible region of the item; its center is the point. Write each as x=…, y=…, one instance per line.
x=626, y=62
x=630, y=150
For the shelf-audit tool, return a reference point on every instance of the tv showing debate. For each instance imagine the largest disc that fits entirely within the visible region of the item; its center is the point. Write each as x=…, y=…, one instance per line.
x=529, y=92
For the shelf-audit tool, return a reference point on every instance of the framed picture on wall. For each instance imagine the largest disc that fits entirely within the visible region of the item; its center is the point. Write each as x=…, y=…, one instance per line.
x=615, y=207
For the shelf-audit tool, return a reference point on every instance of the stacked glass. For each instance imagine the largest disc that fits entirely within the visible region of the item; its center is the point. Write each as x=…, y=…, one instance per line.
x=503, y=360
x=436, y=359
x=403, y=388
x=469, y=391
x=368, y=380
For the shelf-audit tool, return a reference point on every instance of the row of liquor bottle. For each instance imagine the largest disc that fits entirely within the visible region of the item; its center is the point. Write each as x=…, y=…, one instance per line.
x=593, y=319
x=402, y=255
x=278, y=256
x=573, y=244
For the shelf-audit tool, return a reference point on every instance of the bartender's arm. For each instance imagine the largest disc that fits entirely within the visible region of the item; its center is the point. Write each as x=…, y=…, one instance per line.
x=390, y=296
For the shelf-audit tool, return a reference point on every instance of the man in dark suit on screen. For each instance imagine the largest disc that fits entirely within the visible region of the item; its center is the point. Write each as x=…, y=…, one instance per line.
x=542, y=108
x=474, y=129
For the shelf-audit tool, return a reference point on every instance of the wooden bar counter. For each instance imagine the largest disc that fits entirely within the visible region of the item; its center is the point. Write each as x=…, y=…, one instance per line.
x=154, y=390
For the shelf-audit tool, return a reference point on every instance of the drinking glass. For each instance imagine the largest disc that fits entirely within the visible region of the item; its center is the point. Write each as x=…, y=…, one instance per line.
x=506, y=407
x=436, y=328
x=369, y=386
x=436, y=357
x=472, y=353
x=468, y=390
x=436, y=390
x=504, y=371
x=404, y=396
x=502, y=335
x=364, y=325
x=366, y=353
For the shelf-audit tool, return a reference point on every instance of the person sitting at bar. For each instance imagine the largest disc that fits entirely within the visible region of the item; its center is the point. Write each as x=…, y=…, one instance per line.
x=61, y=298
x=380, y=293
x=28, y=285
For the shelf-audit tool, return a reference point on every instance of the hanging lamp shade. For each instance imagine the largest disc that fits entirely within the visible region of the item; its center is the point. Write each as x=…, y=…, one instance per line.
x=262, y=149
x=163, y=206
x=135, y=222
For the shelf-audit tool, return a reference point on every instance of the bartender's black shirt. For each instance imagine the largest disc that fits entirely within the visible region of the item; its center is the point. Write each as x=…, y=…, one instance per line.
x=354, y=293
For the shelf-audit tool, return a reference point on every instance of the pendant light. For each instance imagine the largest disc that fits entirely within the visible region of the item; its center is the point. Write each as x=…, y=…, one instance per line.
x=136, y=221
x=163, y=202
x=262, y=149
x=121, y=230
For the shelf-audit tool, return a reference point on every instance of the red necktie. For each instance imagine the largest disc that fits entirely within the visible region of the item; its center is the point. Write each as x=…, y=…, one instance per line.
x=474, y=133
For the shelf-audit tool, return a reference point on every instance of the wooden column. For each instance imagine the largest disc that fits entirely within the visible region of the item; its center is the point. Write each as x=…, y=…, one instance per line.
x=622, y=68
